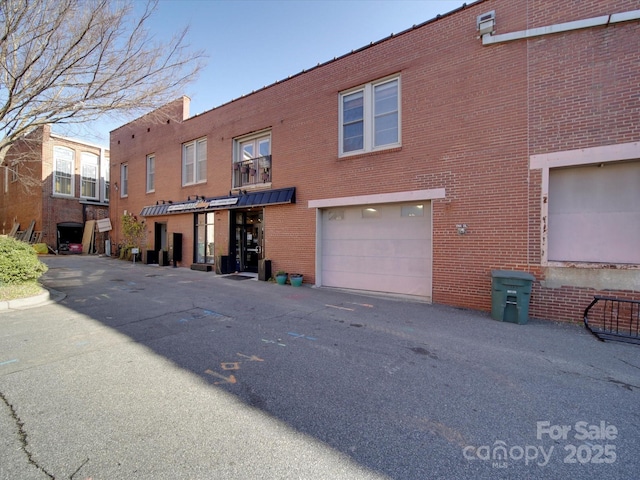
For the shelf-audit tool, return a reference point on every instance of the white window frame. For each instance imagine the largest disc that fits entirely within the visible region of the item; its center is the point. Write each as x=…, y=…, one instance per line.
x=106, y=179
x=369, y=117
x=6, y=179
x=89, y=161
x=151, y=173
x=238, y=157
x=124, y=180
x=197, y=161
x=67, y=155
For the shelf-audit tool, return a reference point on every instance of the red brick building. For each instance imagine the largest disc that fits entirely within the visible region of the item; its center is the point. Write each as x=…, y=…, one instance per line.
x=59, y=183
x=503, y=135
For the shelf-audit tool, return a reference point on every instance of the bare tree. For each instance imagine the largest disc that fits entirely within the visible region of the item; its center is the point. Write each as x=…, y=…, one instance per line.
x=73, y=61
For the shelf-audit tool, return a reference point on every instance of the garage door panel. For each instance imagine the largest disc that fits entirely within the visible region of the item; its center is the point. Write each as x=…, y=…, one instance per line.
x=377, y=248
x=387, y=253
x=379, y=282
x=409, y=266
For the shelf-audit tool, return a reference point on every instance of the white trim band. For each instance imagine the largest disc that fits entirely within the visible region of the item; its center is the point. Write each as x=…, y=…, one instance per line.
x=414, y=195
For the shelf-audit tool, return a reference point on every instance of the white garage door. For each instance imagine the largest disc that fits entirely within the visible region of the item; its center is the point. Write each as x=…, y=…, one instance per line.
x=381, y=248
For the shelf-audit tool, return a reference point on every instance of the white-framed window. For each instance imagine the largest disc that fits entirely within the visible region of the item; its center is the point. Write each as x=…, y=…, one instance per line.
x=194, y=162
x=412, y=210
x=370, y=117
x=151, y=173
x=63, y=168
x=14, y=172
x=252, y=160
x=124, y=180
x=106, y=181
x=89, y=175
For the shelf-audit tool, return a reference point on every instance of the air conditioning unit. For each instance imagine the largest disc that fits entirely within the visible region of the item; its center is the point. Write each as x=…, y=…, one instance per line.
x=486, y=23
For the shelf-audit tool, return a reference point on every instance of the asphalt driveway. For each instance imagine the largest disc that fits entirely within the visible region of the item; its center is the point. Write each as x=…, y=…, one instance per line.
x=154, y=372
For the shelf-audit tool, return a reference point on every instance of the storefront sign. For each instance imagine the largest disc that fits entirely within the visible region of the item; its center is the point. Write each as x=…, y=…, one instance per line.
x=202, y=205
x=104, y=225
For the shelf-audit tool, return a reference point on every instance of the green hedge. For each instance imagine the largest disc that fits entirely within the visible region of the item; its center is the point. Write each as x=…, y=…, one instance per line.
x=19, y=263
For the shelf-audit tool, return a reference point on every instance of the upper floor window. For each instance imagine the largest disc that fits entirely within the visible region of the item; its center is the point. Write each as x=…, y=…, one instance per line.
x=6, y=179
x=63, y=167
x=151, y=173
x=194, y=162
x=252, y=160
x=89, y=176
x=124, y=180
x=106, y=179
x=370, y=117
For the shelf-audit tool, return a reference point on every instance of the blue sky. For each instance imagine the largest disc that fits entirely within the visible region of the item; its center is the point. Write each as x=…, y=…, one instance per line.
x=253, y=43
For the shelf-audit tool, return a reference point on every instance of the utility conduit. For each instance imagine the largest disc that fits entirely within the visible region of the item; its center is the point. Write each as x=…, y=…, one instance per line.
x=604, y=20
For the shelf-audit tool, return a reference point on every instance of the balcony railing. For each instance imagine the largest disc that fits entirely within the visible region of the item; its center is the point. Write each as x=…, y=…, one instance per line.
x=254, y=171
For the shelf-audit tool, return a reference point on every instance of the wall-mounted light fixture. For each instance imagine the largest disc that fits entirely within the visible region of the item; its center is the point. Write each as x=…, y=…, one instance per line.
x=486, y=23
x=462, y=228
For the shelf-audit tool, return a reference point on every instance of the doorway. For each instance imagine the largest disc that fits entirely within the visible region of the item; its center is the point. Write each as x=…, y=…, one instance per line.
x=160, y=236
x=249, y=239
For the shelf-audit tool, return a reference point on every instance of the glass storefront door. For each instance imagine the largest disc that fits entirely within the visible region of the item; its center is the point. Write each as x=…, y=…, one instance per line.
x=249, y=233
x=205, y=248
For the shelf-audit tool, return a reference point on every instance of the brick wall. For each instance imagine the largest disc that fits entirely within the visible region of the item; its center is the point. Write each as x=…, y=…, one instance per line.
x=471, y=117
x=35, y=200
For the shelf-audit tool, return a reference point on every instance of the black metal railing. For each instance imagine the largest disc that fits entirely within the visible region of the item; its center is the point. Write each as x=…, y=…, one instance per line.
x=252, y=172
x=610, y=318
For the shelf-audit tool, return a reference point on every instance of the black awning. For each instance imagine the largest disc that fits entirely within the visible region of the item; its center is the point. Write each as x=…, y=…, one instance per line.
x=241, y=200
x=267, y=197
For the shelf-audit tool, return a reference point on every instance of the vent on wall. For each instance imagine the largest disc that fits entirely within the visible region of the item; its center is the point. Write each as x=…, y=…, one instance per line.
x=486, y=23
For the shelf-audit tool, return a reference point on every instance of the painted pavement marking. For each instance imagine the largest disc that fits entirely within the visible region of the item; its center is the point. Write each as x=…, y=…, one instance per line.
x=340, y=308
x=233, y=366
x=300, y=335
x=230, y=379
x=272, y=341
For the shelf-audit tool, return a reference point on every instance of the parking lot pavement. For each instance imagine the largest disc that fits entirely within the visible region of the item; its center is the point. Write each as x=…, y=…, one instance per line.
x=157, y=372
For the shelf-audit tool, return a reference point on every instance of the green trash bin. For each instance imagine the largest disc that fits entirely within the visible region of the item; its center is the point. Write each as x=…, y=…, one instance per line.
x=510, y=294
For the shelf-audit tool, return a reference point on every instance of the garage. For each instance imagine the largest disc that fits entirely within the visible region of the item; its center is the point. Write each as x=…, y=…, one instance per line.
x=377, y=247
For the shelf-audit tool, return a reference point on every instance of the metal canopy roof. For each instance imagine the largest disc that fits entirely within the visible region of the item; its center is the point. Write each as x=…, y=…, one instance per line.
x=242, y=200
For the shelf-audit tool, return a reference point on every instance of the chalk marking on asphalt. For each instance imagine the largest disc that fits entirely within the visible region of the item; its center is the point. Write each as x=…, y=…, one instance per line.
x=271, y=341
x=340, y=308
x=7, y=362
x=251, y=358
x=230, y=365
x=367, y=305
x=230, y=379
x=300, y=335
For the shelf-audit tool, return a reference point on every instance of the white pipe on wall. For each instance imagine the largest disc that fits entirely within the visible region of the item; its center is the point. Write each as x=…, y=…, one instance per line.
x=489, y=39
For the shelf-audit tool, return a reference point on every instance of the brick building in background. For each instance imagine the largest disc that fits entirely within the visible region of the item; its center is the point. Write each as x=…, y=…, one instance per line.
x=58, y=182
x=503, y=135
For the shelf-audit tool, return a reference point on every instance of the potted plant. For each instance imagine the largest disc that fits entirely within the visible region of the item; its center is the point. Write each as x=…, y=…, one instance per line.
x=295, y=279
x=281, y=277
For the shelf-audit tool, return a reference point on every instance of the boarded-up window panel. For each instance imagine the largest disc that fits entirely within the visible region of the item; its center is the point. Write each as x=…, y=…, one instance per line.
x=594, y=213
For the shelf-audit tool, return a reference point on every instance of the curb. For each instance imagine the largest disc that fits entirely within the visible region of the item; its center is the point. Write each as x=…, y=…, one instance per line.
x=46, y=297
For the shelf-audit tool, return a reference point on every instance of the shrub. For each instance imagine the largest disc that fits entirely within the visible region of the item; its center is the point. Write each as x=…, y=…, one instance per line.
x=19, y=263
